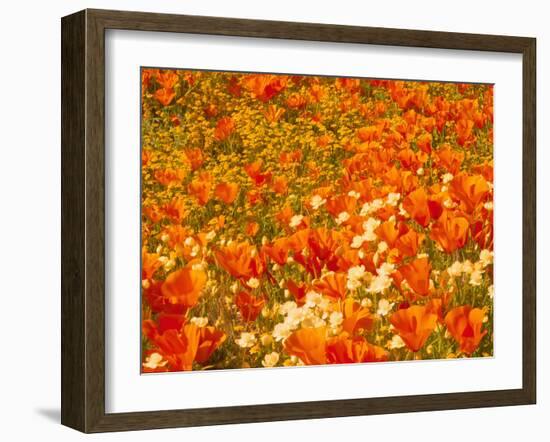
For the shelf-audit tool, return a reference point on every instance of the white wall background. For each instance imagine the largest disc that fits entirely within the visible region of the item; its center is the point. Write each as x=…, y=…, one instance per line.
x=30, y=215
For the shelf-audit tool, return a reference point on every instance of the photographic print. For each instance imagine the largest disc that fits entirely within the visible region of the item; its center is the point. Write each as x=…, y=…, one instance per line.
x=291, y=220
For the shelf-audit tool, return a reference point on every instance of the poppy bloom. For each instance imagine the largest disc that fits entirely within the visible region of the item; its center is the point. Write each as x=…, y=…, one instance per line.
x=273, y=113
x=345, y=350
x=168, y=177
x=416, y=205
x=332, y=285
x=252, y=228
x=200, y=188
x=237, y=259
x=195, y=158
x=224, y=128
x=465, y=324
x=356, y=317
x=414, y=325
x=149, y=264
x=253, y=170
x=227, y=192
x=470, y=190
x=175, y=210
x=409, y=243
x=388, y=232
x=297, y=290
x=184, y=286
x=278, y=251
x=280, y=185
x=249, y=305
x=165, y=95
x=308, y=344
x=417, y=275
x=178, y=347
x=450, y=232
x=424, y=143
x=209, y=340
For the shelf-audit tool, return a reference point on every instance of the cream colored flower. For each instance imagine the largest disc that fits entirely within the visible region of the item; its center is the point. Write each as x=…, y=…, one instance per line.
x=270, y=359
x=200, y=321
x=253, y=283
x=336, y=318
x=154, y=361
x=317, y=201
x=357, y=241
x=281, y=331
x=342, y=217
x=384, y=307
x=246, y=340
x=393, y=199
x=296, y=220
x=396, y=342
x=486, y=257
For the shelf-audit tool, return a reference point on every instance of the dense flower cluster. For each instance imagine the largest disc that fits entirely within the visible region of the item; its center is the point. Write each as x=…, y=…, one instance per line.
x=299, y=220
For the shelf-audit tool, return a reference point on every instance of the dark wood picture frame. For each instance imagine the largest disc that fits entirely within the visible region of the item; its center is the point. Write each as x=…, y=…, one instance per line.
x=83, y=219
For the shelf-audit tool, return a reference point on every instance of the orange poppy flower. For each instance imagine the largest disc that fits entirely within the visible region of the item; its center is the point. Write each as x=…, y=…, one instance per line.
x=323, y=242
x=165, y=95
x=370, y=133
x=416, y=205
x=200, y=188
x=414, y=325
x=227, y=192
x=464, y=132
x=298, y=291
x=388, y=232
x=332, y=285
x=424, y=143
x=299, y=240
x=470, y=190
x=167, y=79
x=280, y=185
x=149, y=264
x=175, y=210
x=252, y=228
x=308, y=344
x=195, y=158
x=224, y=128
x=209, y=340
x=417, y=275
x=465, y=324
x=450, y=159
x=249, y=305
x=253, y=170
x=264, y=87
x=356, y=317
x=178, y=347
x=290, y=157
x=168, y=177
x=450, y=232
x=342, y=203
x=237, y=258
x=273, y=113
x=296, y=101
x=409, y=243
x=345, y=350
x=184, y=286
x=278, y=251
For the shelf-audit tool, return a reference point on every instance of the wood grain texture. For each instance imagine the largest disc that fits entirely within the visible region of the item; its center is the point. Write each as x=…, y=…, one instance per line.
x=83, y=219
x=73, y=255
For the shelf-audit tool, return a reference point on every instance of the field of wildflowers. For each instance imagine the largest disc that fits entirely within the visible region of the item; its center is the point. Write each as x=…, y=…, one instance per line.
x=301, y=220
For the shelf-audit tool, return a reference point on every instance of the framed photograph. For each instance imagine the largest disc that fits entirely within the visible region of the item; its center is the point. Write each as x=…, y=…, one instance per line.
x=266, y=220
